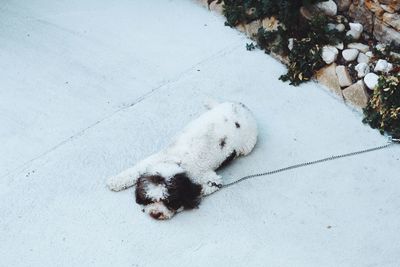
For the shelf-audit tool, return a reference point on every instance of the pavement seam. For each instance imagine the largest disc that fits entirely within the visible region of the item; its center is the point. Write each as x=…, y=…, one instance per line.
x=220, y=53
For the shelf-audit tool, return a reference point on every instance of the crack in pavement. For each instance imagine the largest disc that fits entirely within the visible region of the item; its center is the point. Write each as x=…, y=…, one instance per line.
x=225, y=51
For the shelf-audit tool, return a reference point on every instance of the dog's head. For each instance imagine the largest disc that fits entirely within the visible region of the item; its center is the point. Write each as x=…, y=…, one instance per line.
x=163, y=196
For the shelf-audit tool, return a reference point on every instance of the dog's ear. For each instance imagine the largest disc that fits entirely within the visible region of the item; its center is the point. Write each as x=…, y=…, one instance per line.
x=182, y=192
x=140, y=191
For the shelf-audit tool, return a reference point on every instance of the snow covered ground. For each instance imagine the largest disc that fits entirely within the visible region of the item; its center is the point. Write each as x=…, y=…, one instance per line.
x=87, y=88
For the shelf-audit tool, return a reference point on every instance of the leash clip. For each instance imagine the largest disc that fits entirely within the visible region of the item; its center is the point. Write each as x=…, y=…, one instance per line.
x=393, y=140
x=209, y=183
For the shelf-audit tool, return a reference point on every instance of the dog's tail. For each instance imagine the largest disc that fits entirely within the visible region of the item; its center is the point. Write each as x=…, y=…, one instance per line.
x=210, y=103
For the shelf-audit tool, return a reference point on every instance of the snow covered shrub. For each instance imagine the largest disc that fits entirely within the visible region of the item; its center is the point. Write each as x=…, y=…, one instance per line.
x=383, y=110
x=308, y=36
x=390, y=52
x=305, y=56
x=245, y=11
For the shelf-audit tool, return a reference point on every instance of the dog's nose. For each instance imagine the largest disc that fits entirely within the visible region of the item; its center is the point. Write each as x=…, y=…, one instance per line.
x=156, y=215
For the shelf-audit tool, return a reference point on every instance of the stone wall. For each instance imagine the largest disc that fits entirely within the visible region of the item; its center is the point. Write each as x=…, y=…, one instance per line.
x=352, y=69
x=381, y=18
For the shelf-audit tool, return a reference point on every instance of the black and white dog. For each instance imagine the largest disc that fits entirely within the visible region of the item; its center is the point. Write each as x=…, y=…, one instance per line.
x=178, y=176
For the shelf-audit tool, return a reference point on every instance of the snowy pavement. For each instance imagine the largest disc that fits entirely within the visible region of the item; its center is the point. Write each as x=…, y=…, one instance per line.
x=87, y=88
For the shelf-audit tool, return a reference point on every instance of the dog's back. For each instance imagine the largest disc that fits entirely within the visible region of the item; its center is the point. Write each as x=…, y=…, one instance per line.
x=210, y=139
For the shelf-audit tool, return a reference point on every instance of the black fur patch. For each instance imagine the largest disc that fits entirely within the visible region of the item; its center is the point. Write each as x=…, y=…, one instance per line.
x=182, y=193
x=237, y=125
x=156, y=179
x=140, y=192
x=228, y=160
x=222, y=142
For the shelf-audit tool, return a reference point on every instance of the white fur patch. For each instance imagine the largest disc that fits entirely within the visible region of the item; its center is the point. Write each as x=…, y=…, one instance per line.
x=165, y=169
x=156, y=192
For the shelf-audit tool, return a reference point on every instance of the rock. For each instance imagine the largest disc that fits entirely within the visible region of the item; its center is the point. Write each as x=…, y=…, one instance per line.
x=375, y=7
x=362, y=69
x=355, y=30
x=371, y=80
x=306, y=13
x=383, y=65
x=252, y=28
x=362, y=58
x=342, y=19
x=340, y=27
x=214, y=6
x=340, y=46
x=343, y=76
x=329, y=54
x=350, y=54
x=369, y=54
x=356, y=94
x=359, y=46
x=385, y=33
x=385, y=2
x=380, y=47
x=388, y=8
x=331, y=26
x=395, y=55
x=343, y=5
x=290, y=43
x=392, y=19
x=395, y=5
x=329, y=8
x=362, y=14
x=250, y=12
x=327, y=76
x=241, y=27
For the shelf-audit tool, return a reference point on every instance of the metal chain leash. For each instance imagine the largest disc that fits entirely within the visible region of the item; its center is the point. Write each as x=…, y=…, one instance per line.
x=391, y=141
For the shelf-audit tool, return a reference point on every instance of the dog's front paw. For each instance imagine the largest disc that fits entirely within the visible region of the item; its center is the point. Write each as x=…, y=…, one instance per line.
x=209, y=188
x=116, y=183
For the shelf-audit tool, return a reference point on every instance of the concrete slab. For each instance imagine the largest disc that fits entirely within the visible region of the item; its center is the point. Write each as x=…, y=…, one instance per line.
x=62, y=141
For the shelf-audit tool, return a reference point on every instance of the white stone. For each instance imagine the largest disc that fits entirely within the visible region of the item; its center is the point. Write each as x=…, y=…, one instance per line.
x=331, y=26
x=359, y=46
x=395, y=55
x=371, y=80
x=358, y=27
x=383, y=65
x=369, y=54
x=340, y=46
x=329, y=54
x=340, y=27
x=362, y=58
x=380, y=47
x=350, y=54
x=328, y=8
x=290, y=43
x=355, y=30
x=343, y=76
x=362, y=69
